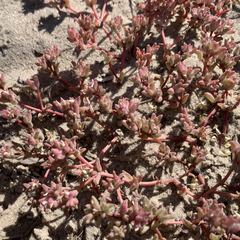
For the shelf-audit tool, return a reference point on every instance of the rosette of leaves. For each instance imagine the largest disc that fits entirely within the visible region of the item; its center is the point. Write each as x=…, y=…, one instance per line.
x=214, y=219
x=96, y=211
x=133, y=216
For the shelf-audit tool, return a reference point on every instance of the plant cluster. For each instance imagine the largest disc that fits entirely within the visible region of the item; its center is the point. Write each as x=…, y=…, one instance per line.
x=215, y=79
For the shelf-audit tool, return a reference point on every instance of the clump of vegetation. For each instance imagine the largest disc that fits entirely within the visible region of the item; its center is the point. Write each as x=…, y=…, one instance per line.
x=118, y=196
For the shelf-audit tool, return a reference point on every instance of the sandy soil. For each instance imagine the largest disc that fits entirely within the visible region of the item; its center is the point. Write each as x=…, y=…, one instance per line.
x=27, y=28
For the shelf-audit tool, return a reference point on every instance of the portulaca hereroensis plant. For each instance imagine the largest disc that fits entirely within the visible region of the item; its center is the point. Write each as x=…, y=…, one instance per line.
x=117, y=196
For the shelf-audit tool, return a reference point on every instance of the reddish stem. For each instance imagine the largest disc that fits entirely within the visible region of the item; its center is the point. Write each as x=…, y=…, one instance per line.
x=159, y=234
x=90, y=106
x=136, y=42
x=205, y=229
x=101, y=49
x=175, y=139
x=82, y=159
x=109, y=35
x=174, y=222
x=103, y=10
x=73, y=10
x=224, y=129
x=209, y=116
x=226, y=194
x=108, y=146
x=100, y=123
x=40, y=99
x=64, y=81
x=113, y=72
x=119, y=196
x=95, y=13
x=202, y=181
x=46, y=174
x=170, y=72
x=38, y=110
x=123, y=56
x=220, y=183
x=86, y=182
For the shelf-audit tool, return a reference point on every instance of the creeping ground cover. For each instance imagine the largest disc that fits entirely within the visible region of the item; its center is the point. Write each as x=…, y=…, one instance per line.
x=127, y=126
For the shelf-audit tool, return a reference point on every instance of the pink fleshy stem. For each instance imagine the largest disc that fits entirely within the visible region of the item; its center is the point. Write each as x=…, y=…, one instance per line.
x=156, y=182
x=38, y=110
x=46, y=174
x=177, y=99
x=119, y=36
x=24, y=124
x=170, y=72
x=107, y=198
x=181, y=161
x=185, y=190
x=119, y=196
x=174, y=222
x=29, y=107
x=148, y=62
x=95, y=13
x=164, y=39
x=233, y=236
x=64, y=81
x=86, y=183
x=109, y=175
x=202, y=181
x=225, y=93
x=103, y=9
x=123, y=56
x=205, y=66
x=109, y=35
x=159, y=234
x=174, y=139
x=185, y=174
x=101, y=49
x=100, y=123
x=136, y=42
x=113, y=72
x=220, y=183
x=209, y=116
x=205, y=229
x=108, y=146
x=90, y=106
x=176, y=40
x=40, y=99
x=82, y=159
x=224, y=129
x=73, y=10
x=112, y=216
x=236, y=196
x=175, y=182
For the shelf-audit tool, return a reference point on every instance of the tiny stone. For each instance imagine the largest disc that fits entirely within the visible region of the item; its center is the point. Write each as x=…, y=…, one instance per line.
x=22, y=169
x=41, y=234
x=70, y=227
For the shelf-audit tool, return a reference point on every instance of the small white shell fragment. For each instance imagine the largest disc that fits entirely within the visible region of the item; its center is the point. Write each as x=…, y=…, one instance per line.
x=207, y=149
x=152, y=108
x=192, y=186
x=227, y=152
x=213, y=139
x=105, y=79
x=221, y=154
x=119, y=132
x=227, y=145
x=217, y=130
x=227, y=139
x=237, y=215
